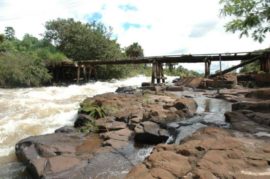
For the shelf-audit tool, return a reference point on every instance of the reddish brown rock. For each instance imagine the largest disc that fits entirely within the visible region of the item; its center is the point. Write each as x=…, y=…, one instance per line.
x=209, y=153
x=109, y=124
x=52, y=154
x=132, y=109
x=192, y=82
x=117, y=139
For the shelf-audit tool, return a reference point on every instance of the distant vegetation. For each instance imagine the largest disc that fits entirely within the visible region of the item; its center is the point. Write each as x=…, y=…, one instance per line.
x=23, y=62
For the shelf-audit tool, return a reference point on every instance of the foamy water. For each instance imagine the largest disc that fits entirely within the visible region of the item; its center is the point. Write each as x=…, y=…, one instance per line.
x=34, y=111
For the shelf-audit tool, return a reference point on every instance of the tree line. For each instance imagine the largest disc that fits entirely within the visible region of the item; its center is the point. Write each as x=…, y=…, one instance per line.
x=23, y=62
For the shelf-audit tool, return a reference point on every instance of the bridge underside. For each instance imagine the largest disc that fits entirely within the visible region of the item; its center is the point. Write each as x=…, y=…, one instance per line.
x=84, y=70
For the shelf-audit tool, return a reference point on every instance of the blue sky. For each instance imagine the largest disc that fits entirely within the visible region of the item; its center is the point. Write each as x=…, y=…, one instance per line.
x=162, y=27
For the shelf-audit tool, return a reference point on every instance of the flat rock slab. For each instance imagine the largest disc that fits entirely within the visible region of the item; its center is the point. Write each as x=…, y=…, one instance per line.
x=261, y=106
x=57, y=155
x=209, y=153
x=249, y=121
x=134, y=108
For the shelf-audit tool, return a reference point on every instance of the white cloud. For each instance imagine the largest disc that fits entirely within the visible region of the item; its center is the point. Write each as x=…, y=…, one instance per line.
x=171, y=22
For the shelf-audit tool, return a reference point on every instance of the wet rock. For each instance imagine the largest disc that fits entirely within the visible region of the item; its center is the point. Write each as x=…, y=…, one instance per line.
x=150, y=133
x=209, y=153
x=82, y=119
x=145, y=84
x=258, y=106
x=126, y=89
x=186, y=104
x=66, y=129
x=249, y=121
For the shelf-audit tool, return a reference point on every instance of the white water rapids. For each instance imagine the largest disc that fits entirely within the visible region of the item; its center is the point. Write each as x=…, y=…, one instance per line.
x=33, y=111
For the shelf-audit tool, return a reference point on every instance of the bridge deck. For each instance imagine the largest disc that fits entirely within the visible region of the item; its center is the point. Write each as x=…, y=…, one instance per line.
x=88, y=67
x=199, y=58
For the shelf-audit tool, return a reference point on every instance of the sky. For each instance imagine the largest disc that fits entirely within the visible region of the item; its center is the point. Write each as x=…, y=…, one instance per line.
x=161, y=27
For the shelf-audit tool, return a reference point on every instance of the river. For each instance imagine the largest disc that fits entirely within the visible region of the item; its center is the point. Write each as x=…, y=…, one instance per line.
x=33, y=111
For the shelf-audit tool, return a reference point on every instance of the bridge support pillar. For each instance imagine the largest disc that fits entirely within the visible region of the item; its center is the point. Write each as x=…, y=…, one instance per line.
x=89, y=72
x=265, y=63
x=207, y=68
x=78, y=73
x=157, y=73
x=84, y=73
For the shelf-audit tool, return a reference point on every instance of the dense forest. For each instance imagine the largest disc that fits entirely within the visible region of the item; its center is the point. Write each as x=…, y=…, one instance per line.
x=23, y=61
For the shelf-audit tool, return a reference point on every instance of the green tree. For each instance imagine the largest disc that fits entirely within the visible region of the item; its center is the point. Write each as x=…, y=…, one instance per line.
x=9, y=33
x=81, y=41
x=249, y=17
x=134, y=50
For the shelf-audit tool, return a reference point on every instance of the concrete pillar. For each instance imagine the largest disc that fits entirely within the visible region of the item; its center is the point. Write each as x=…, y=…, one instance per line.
x=207, y=64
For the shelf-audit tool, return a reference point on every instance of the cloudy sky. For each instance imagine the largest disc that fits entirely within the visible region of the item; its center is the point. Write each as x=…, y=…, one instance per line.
x=162, y=27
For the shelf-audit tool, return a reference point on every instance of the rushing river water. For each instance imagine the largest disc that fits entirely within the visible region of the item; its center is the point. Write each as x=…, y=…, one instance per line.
x=34, y=111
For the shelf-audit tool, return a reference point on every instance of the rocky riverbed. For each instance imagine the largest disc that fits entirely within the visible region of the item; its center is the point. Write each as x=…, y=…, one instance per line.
x=158, y=134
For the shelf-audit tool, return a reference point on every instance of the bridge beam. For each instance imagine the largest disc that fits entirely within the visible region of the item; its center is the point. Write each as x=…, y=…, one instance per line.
x=235, y=67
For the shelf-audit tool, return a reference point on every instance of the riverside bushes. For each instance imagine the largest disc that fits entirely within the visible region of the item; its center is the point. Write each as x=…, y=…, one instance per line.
x=20, y=70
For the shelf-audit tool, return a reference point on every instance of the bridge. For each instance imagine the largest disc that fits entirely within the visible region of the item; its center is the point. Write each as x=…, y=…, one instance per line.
x=85, y=69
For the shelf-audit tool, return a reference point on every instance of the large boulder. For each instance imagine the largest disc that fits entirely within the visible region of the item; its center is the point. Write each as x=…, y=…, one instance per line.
x=55, y=155
x=209, y=153
x=134, y=108
x=126, y=89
